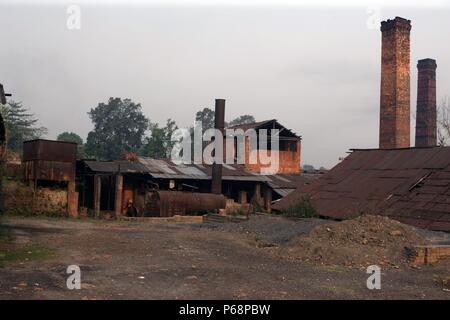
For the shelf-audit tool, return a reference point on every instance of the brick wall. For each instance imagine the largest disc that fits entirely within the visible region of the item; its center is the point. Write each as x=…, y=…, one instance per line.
x=431, y=254
x=289, y=161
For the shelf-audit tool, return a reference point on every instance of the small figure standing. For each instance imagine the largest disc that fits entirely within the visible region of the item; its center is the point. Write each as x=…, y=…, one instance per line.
x=131, y=209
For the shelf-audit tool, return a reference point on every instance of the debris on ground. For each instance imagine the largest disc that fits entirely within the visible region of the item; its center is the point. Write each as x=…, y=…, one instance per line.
x=270, y=230
x=443, y=282
x=360, y=242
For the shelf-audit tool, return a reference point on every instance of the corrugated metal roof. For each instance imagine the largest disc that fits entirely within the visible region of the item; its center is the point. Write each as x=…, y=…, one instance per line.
x=166, y=169
x=265, y=125
x=411, y=185
x=254, y=125
x=283, y=192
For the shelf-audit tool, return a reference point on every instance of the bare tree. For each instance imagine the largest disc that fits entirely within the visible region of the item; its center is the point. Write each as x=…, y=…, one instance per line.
x=444, y=122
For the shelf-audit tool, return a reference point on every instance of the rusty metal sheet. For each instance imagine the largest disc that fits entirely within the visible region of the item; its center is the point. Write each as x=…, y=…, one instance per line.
x=267, y=124
x=410, y=183
x=121, y=166
x=49, y=170
x=166, y=169
x=283, y=192
x=50, y=150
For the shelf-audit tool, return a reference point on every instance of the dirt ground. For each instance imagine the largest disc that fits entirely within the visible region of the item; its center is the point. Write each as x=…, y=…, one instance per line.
x=141, y=260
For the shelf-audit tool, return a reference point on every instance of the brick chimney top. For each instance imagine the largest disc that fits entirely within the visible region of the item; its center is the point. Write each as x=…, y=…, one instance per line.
x=399, y=23
x=427, y=63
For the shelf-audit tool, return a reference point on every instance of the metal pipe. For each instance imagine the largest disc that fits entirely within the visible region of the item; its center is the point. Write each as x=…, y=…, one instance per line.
x=219, y=123
x=170, y=203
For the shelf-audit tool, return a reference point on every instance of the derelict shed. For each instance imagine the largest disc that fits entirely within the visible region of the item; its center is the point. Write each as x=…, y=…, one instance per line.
x=140, y=179
x=50, y=163
x=49, y=160
x=97, y=183
x=411, y=185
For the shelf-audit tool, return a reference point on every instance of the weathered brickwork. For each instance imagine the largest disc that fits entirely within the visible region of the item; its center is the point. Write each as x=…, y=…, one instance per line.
x=288, y=160
x=430, y=254
x=426, y=130
x=395, y=84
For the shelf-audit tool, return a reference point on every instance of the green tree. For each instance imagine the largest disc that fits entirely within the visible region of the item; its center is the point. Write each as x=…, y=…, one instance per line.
x=119, y=127
x=244, y=119
x=70, y=137
x=20, y=125
x=206, y=117
x=159, y=144
x=73, y=137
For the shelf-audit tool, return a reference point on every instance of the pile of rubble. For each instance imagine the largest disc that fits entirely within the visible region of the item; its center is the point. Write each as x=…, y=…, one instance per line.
x=366, y=240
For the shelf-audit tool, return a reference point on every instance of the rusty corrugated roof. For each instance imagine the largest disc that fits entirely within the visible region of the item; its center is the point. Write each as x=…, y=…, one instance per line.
x=166, y=169
x=254, y=125
x=266, y=124
x=411, y=185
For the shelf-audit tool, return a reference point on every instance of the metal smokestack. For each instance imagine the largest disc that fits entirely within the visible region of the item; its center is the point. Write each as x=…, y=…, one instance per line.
x=219, y=123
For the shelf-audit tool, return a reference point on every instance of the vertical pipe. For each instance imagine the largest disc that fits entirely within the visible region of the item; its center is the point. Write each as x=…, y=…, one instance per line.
x=219, y=123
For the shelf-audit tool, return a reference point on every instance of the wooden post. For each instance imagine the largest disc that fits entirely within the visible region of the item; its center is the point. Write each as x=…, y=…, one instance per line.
x=258, y=193
x=118, y=200
x=242, y=197
x=268, y=200
x=72, y=200
x=97, y=194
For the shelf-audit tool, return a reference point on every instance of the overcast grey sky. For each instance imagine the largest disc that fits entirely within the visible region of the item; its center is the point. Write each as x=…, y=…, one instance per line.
x=314, y=68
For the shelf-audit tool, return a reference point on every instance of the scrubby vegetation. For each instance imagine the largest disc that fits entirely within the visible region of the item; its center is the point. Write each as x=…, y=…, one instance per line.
x=26, y=253
x=302, y=209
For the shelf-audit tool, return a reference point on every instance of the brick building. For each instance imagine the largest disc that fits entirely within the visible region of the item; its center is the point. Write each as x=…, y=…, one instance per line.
x=289, y=153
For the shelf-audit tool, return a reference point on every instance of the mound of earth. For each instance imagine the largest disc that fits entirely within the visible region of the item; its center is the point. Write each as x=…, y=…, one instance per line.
x=366, y=240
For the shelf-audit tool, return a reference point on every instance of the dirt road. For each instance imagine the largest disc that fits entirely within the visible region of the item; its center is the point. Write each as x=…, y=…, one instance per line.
x=124, y=260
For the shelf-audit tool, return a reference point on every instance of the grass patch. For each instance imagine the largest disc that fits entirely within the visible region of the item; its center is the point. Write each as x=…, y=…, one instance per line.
x=334, y=269
x=31, y=252
x=236, y=211
x=302, y=209
x=4, y=235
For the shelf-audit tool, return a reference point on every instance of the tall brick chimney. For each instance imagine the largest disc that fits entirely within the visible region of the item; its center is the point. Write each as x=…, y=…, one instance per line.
x=426, y=117
x=395, y=84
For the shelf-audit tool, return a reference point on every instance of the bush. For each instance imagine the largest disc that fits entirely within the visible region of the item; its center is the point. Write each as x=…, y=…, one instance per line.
x=302, y=209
